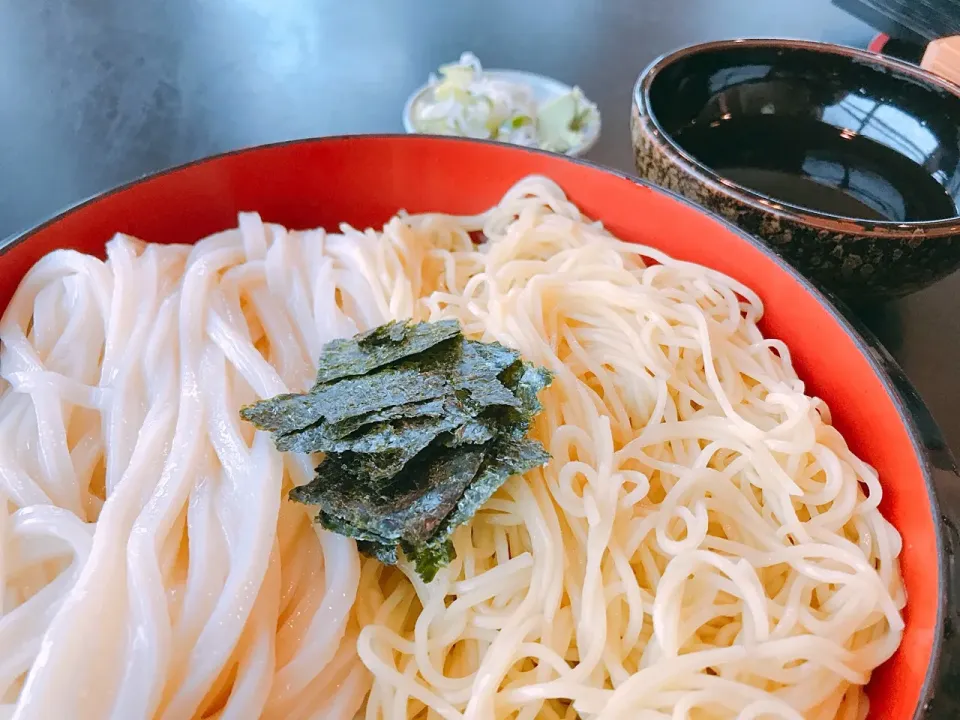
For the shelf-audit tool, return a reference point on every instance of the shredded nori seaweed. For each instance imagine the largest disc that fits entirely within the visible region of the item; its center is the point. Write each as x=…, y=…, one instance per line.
x=419, y=428
x=378, y=437
x=428, y=408
x=283, y=413
x=429, y=558
x=380, y=347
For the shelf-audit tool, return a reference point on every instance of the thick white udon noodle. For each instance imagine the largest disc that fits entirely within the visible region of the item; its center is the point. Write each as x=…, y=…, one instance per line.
x=703, y=543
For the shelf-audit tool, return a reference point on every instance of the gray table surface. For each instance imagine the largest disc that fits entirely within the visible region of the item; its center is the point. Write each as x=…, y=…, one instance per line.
x=94, y=93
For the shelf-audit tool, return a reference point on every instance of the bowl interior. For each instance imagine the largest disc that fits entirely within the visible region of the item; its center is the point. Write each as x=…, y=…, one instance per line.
x=325, y=182
x=828, y=130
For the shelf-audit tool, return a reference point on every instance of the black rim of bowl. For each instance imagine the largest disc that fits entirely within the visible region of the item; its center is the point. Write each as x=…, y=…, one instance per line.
x=764, y=203
x=886, y=369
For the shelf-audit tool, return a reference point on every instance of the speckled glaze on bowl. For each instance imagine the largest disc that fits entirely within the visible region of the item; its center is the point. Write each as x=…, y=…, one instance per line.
x=857, y=259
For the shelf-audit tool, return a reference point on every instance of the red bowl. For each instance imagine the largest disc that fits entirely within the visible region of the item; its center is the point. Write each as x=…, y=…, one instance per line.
x=365, y=180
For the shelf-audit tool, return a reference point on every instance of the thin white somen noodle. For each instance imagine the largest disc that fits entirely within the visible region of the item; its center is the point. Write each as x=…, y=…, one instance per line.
x=703, y=544
x=701, y=533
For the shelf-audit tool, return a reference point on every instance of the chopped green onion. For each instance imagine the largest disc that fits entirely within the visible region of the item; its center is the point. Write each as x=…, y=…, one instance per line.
x=465, y=102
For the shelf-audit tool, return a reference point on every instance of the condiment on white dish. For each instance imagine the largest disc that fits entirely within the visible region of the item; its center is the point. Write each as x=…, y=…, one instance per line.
x=505, y=105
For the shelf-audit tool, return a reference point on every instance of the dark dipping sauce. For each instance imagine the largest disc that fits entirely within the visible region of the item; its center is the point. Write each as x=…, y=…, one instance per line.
x=806, y=162
x=815, y=131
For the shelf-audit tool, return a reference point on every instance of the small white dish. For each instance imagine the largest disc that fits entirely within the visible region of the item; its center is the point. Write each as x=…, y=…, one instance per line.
x=544, y=88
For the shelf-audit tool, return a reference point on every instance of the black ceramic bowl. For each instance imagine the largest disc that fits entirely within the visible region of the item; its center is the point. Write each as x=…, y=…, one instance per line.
x=847, y=163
